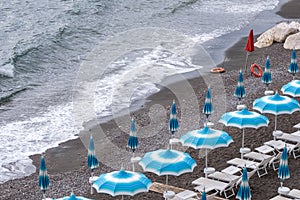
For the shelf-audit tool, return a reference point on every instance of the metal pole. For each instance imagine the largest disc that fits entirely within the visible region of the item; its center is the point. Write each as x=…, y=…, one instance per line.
x=243, y=138
x=206, y=162
x=246, y=62
x=275, y=122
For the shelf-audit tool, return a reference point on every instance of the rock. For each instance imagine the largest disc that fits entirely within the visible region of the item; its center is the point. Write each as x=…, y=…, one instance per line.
x=277, y=34
x=292, y=41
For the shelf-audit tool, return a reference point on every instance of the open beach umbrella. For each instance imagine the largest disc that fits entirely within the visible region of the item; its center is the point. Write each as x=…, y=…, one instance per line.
x=249, y=46
x=208, y=108
x=244, y=119
x=92, y=158
x=73, y=197
x=244, y=190
x=173, y=123
x=292, y=88
x=276, y=105
x=240, y=88
x=266, y=77
x=206, y=138
x=293, y=68
x=167, y=162
x=283, y=170
x=44, y=180
x=122, y=183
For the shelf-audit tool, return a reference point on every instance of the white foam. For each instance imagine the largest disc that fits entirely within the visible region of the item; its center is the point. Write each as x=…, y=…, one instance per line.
x=7, y=70
x=127, y=80
x=32, y=136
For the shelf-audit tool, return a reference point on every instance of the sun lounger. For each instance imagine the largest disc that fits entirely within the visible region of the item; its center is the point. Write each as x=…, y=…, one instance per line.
x=278, y=197
x=276, y=144
x=221, y=176
x=275, y=161
x=232, y=170
x=257, y=156
x=294, y=193
x=265, y=149
x=221, y=187
x=297, y=126
x=243, y=163
x=289, y=137
x=186, y=194
x=297, y=133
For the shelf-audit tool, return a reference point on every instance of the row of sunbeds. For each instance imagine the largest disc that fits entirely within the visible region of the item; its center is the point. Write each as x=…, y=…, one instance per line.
x=225, y=181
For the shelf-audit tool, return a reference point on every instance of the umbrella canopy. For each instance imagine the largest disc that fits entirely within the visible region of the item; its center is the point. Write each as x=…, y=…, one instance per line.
x=244, y=119
x=73, y=197
x=208, y=108
x=43, y=176
x=249, y=46
x=276, y=105
x=167, y=162
x=173, y=123
x=240, y=88
x=250, y=42
x=292, y=88
x=206, y=138
x=283, y=170
x=92, y=158
x=244, y=190
x=122, y=183
x=266, y=77
x=293, y=68
x=133, y=141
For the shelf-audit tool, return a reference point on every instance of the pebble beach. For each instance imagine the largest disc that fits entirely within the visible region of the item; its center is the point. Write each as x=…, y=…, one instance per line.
x=67, y=165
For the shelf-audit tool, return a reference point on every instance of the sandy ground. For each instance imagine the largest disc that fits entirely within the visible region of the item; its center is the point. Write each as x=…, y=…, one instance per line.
x=67, y=163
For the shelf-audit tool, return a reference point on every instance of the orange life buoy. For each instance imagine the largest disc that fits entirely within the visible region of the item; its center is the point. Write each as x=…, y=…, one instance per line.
x=253, y=71
x=217, y=70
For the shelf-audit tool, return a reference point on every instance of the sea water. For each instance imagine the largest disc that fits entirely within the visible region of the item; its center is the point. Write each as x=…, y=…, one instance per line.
x=43, y=46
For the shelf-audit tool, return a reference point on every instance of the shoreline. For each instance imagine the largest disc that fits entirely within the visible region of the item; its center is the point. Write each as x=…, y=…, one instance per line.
x=61, y=168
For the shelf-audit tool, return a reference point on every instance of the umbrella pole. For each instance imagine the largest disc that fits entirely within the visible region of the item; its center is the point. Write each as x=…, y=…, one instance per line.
x=44, y=194
x=275, y=122
x=122, y=197
x=133, y=169
x=246, y=62
x=206, y=162
x=167, y=182
x=92, y=174
x=243, y=138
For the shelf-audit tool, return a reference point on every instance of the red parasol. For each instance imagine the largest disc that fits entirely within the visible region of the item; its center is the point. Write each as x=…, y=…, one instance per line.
x=249, y=46
x=250, y=43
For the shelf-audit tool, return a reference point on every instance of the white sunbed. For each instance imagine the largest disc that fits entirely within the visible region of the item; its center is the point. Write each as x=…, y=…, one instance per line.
x=257, y=156
x=221, y=176
x=265, y=149
x=243, y=163
x=220, y=186
x=276, y=144
x=289, y=137
x=278, y=197
x=186, y=194
x=297, y=133
x=297, y=126
x=292, y=148
x=232, y=170
x=294, y=193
